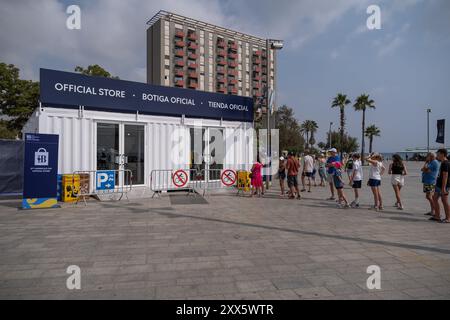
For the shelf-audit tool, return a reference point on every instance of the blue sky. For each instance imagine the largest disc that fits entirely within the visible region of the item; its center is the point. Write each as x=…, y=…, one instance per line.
x=405, y=66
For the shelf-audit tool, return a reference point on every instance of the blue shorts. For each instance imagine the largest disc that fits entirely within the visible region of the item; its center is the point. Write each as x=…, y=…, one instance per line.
x=374, y=183
x=438, y=190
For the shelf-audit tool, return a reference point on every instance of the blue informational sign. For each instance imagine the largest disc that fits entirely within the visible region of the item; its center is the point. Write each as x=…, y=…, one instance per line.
x=106, y=180
x=40, y=171
x=65, y=89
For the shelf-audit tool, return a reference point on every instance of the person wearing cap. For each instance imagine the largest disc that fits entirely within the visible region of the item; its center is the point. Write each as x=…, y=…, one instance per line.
x=339, y=185
x=333, y=157
x=282, y=175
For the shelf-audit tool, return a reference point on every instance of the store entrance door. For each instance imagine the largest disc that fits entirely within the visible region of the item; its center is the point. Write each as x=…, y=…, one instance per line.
x=119, y=147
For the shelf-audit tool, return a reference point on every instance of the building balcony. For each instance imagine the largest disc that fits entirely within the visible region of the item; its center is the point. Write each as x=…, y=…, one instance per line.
x=221, y=70
x=193, y=75
x=180, y=44
x=233, y=46
x=264, y=62
x=179, y=73
x=232, y=72
x=179, y=53
x=192, y=56
x=257, y=53
x=220, y=80
x=232, y=55
x=192, y=65
x=257, y=61
x=232, y=81
x=256, y=77
x=179, y=34
x=193, y=45
x=232, y=64
x=221, y=43
x=221, y=62
x=221, y=53
x=264, y=71
x=192, y=36
x=179, y=83
x=256, y=85
x=257, y=69
x=179, y=63
x=233, y=90
x=257, y=94
x=193, y=85
x=221, y=89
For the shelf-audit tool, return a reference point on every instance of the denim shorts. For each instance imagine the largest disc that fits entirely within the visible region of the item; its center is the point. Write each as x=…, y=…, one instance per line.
x=438, y=190
x=374, y=183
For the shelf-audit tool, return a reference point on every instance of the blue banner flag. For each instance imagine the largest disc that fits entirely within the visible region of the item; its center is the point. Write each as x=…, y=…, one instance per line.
x=441, y=131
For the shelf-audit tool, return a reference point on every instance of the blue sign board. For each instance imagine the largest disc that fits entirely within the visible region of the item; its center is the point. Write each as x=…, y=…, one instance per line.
x=40, y=171
x=106, y=180
x=65, y=89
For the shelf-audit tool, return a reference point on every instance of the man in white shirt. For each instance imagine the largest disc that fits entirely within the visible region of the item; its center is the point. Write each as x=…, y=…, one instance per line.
x=356, y=179
x=308, y=168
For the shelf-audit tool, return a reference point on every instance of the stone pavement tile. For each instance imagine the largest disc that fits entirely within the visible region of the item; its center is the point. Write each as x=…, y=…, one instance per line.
x=345, y=289
x=433, y=281
x=325, y=280
x=171, y=292
x=242, y=296
x=392, y=295
x=211, y=297
x=313, y=293
x=418, y=272
x=278, y=295
x=254, y=286
x=324, y=258
x=217, y=288
x=419, y=293
x=441, y=290
x=291, y=283
x=403, y=284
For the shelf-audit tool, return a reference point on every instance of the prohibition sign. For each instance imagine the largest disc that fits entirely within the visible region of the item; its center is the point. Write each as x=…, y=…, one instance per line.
x=180, y=178
x=228, y=177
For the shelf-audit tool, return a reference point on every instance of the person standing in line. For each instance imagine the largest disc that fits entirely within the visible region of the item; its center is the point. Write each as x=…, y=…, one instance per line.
x=398, y=171
x=442, y=188
x=322, y=170
x=282, y=175
x=256, y=179
x=333, y=157
x=308, y=168
x=349, y=167
x=339, y=185
x=293, y=167
x=430, y=171
x=376, y=170
x=356, y=178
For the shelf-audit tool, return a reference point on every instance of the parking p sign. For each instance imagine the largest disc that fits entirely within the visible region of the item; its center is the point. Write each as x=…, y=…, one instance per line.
x=106, y=180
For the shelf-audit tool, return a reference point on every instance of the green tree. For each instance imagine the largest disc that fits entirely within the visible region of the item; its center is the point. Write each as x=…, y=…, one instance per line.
x=341, y=101
x=289, y=130
x=362, y=103
x=94, y=70
x=309, y=128
x=371, y=132
x=18, y=98
x=347, y=144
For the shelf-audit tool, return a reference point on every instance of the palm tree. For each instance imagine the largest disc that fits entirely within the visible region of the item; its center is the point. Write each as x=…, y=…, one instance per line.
x=372, y=131
x=362, y=103
x=341, y=101
x=309, y=128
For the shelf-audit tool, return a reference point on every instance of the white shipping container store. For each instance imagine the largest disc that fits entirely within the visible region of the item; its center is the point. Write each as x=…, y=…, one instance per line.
x=167, y=139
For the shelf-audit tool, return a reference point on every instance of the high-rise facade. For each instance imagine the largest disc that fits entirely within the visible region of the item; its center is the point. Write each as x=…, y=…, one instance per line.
x=188, y=53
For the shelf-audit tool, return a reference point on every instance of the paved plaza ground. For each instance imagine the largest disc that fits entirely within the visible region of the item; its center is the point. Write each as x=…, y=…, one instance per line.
x=226, y=247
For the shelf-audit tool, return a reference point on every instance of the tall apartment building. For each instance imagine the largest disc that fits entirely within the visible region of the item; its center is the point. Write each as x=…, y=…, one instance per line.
x=188, y=53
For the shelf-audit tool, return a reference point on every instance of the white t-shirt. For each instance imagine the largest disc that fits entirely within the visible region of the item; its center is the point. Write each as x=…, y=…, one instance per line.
x=357, y=169
x=309, y=164
x=375, y=171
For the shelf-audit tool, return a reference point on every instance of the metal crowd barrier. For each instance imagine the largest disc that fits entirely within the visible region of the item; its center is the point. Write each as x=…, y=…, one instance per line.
x=192, y=180
x=104, y=182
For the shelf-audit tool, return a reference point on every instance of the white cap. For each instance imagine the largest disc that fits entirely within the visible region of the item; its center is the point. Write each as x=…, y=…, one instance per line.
x=333, y=150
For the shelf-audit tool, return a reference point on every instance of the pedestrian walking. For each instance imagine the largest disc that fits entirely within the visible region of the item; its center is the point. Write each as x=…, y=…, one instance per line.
x=356, y=178
x=376, y=170
x=442, y=187
x=322, y=170
x=282, y=175
x=349, y=168
x=308, y=168
x=293, y=167
x=256, y=179
x=333, y=157
x=398, y=171
x=430, y=172
x=339, y=185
